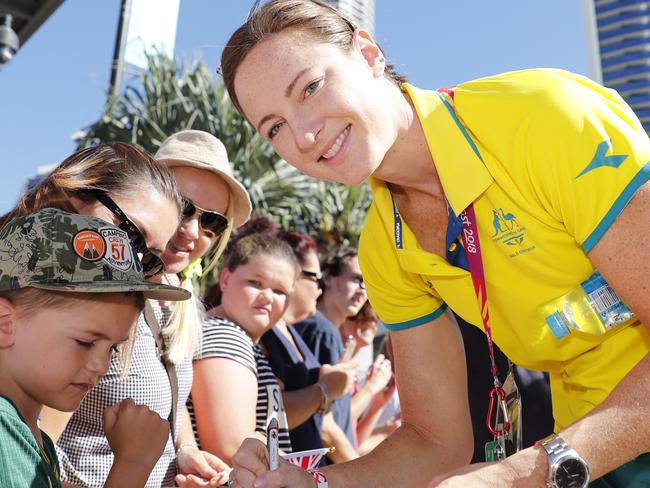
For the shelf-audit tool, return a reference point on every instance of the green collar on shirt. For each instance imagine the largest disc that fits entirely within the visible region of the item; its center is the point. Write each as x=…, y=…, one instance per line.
x=458, y=162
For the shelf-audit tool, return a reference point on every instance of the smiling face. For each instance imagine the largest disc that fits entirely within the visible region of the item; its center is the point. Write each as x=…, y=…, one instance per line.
x=322, y=109
x=189, y=243
x=58, y=353
x=254, y=295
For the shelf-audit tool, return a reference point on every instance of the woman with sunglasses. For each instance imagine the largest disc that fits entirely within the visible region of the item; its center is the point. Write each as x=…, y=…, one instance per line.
x=112, y=182
x=213, y=203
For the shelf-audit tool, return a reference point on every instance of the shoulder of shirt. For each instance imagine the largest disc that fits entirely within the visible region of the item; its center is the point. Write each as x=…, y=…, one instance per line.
x=221, y=327
x=540, y=86
x=11, y=422
x=323, y=324
x=8, y=408
x=214, y=321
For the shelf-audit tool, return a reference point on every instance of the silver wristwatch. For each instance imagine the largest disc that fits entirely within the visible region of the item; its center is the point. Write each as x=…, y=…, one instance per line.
x=566, y=469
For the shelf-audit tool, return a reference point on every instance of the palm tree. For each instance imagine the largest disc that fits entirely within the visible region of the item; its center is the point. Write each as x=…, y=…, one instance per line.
x=170, y=97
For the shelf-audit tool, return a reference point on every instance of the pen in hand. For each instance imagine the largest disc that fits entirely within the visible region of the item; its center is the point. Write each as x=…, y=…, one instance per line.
x=272, y=443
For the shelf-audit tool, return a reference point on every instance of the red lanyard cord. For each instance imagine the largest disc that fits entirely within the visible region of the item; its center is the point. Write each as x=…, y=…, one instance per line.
x=475, y=261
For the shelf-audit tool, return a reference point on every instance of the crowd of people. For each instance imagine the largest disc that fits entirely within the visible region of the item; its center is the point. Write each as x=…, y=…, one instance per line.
x=505, y=251
x=204, y=378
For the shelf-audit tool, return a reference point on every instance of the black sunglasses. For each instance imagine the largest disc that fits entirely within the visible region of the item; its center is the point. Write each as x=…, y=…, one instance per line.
x=151, y=264
x=314, y=276
x=212, y=223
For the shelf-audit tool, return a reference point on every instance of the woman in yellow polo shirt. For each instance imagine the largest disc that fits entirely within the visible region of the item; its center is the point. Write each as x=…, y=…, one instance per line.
x=548, y=169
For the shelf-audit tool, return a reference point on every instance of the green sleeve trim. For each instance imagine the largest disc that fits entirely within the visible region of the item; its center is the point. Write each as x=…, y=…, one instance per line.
x=409, y=324
x=621, y=202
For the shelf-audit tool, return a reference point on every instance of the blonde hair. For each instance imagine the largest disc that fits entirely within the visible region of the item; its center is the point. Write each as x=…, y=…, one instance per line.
x=182, y=332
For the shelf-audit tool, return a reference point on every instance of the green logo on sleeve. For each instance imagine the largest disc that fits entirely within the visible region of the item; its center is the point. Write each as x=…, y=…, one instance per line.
x=600, y=159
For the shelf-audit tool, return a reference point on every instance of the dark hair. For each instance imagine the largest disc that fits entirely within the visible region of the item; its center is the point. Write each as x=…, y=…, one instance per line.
x=301, y=244
x=313, y=18
x=336, y=263
x=257, y=224
x=117, y=168
x=240, y=251
x=365, y=314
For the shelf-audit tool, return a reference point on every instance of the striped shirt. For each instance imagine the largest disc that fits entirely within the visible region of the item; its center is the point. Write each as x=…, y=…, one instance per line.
x=224, y=339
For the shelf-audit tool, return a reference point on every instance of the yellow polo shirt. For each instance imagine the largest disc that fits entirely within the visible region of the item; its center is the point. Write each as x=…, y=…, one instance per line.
x=549, y=159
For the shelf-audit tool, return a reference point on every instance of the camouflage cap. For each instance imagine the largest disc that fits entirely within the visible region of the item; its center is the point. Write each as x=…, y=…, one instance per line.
x=60, y=251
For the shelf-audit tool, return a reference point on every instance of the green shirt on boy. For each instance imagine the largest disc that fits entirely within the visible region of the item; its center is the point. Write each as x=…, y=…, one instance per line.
x=22, y=461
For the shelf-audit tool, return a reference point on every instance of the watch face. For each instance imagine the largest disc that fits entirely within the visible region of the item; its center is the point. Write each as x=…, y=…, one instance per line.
x=571, y=474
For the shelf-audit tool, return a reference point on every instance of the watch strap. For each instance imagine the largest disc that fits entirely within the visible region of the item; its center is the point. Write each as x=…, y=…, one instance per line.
x=558, y=451
x=553, y=444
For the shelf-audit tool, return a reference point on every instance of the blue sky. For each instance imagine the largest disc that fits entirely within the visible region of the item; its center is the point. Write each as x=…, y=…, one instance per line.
x=57, y=83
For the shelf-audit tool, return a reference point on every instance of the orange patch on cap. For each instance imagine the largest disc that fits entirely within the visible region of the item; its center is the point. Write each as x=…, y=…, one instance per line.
x=89, y=245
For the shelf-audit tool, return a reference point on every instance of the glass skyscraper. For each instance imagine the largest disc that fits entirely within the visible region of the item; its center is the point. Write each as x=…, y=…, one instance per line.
x=623, y=33
x=361, y=11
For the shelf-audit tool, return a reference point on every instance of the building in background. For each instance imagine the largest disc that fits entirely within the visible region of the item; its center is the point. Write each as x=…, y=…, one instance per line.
x=361, y=11
x=623, y=40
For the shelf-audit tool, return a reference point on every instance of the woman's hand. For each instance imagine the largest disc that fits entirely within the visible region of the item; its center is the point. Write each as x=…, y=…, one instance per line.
x=339, y=378
x=200, y=468
x=251, y=463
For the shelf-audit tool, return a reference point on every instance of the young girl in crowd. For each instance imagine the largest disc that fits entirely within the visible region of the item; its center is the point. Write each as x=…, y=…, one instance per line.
x=308, y=387
x=514, y=214
x=67, y=303
x=112, y=181
x=235, y=393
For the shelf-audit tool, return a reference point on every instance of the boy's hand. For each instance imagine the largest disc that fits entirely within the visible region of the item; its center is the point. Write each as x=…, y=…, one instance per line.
x=135, y=433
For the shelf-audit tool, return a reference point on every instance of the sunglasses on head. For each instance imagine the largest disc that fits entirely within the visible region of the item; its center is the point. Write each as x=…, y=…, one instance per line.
x=212, y=223
x=151, y=264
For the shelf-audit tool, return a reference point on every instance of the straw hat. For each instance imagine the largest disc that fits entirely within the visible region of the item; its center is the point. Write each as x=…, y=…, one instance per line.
x=199, y=149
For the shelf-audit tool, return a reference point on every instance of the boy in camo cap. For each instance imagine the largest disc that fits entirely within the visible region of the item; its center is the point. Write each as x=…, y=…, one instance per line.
x=71, y=288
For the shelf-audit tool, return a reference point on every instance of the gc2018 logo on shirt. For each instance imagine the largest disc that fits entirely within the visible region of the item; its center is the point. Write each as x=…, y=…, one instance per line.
x=509, y=232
